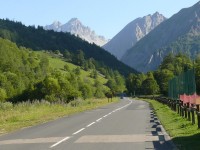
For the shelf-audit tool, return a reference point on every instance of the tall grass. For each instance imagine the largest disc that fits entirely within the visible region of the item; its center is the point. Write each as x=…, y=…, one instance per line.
x=13, y=117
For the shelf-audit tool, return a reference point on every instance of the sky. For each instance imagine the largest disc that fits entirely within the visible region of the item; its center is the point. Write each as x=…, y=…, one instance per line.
x=105, y=17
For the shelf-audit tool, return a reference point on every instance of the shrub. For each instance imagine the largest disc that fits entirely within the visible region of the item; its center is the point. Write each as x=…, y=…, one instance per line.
x=3, y=95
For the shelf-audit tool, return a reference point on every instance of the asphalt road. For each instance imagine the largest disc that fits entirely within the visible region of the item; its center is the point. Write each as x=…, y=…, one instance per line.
x=128, y=125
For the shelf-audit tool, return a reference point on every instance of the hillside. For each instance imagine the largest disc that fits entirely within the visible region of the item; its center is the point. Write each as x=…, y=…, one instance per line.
x=40, y=39
x=29, y=75
x=56, y=62
x=132, y=33
x=74, y=26
x=180, y=33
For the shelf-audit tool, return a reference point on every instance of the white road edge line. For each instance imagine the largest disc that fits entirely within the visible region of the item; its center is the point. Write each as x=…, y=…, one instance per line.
x=78, y=131
x=60, y=142
x=90, y=124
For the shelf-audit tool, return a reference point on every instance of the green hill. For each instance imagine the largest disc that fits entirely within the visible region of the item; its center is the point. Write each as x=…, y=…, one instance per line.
x=29, y=75
x=40, y=39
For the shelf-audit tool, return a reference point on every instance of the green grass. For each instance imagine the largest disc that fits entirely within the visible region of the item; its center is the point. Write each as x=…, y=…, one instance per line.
x=28, y=114
x=58, y=63
x=185, y=135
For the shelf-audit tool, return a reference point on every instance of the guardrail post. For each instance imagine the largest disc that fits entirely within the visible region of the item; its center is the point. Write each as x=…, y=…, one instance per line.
x=192, y=112
x=198, y=116
x=182, y=109
x=175, y=108
x=178, y=107
x=188, y=109
x=185, y=110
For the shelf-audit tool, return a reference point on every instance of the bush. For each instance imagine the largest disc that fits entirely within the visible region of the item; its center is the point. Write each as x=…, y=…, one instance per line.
x=76, y=103
x=3, y=95
x=6, y=106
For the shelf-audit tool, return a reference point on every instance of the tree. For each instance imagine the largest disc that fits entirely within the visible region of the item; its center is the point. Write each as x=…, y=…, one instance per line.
x=51, y=86
x=86, y=90
x=80, y=59
x=67, y=55
x=162, y=77
x=99, y=92
x=120, y=87
x=77, y=71
x=3, y=95
x=66, y=67
x=168, y=62
x=150, y=86
x=94, y=74
x=111, y=83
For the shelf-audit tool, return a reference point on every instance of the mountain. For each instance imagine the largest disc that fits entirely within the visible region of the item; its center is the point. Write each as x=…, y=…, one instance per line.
x=74, y=26
x=40, y=39
x=132, y=33
x=180, y=33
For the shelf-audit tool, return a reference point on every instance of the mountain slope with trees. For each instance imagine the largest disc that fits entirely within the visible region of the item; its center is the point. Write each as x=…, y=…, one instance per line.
x=156, y=82
x=29, y=75
x=40, y=39
x=180, y=33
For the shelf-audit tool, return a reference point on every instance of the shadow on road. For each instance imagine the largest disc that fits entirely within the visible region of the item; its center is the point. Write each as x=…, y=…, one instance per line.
x=164, y=143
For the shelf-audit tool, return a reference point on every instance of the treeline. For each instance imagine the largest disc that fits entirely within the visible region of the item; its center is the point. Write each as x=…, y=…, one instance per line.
x=40, y=39
x=27, y=75
x=156, y=82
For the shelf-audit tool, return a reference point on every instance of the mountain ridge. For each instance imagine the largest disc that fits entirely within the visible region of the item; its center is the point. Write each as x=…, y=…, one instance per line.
x=174, y=35
x=74, y=26
x=40, y=39
x=132, y=33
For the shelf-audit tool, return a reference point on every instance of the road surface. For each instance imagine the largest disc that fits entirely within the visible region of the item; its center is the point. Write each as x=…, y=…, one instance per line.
x=127, y=125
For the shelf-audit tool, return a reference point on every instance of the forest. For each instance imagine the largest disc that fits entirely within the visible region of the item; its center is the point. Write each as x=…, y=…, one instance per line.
x=156, y=82
x=26, y=75
x=39, y=39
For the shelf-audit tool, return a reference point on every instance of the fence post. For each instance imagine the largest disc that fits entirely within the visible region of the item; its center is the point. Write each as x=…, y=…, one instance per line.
x=175, y=108
x=182, y=109
x=185, y=110
x=188, y=109
x=179, y=107
x=192, y=112
x=198, y=116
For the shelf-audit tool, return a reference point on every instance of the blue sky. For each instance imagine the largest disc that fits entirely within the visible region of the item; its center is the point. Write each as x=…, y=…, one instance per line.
x=106, y=17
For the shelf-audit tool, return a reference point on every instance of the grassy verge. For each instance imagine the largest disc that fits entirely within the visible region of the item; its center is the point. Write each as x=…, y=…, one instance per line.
x=29, y=114
x=185, y=135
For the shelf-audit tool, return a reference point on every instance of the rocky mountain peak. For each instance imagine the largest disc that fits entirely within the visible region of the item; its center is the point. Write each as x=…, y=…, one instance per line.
x=74, y=22
x=132, y=33
x=57, y=24
x=74, y=26
x=178, y=34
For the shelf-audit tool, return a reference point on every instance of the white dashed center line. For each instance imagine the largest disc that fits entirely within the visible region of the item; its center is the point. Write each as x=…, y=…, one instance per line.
x=59, y=142
x=90, y=124
x=98, y=119
x=78, y=131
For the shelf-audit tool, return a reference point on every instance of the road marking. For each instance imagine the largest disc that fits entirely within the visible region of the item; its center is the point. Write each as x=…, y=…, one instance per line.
x=105, y=116
x=98, y=119
x=60, y=142
x=31, y=141
x=90, y=124
x=117, y=138
x=78, y=131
